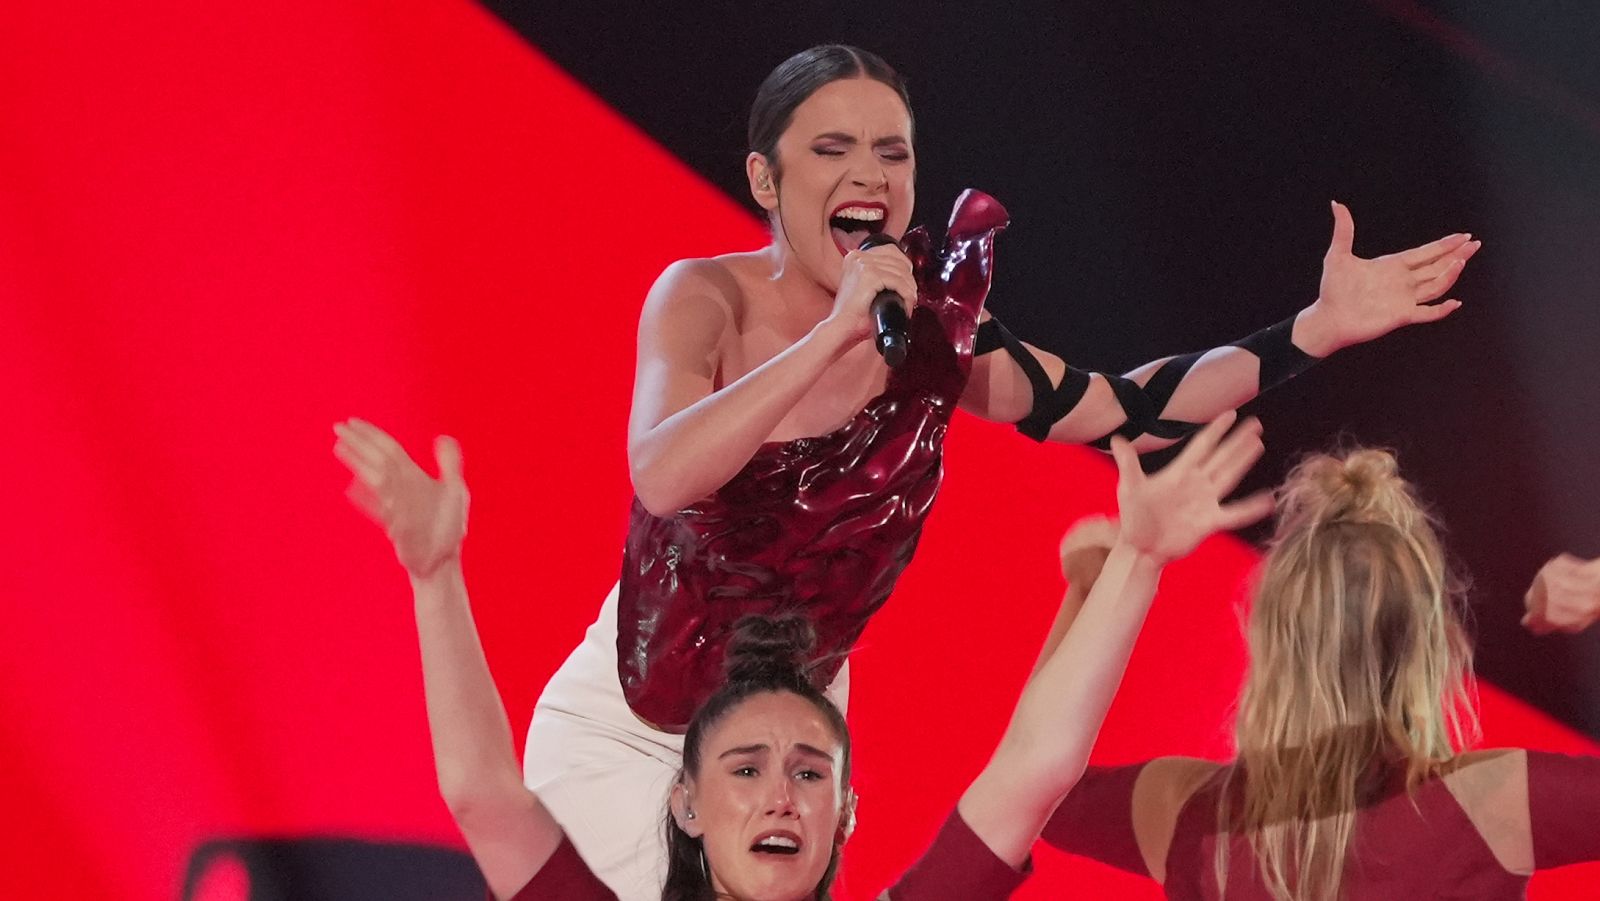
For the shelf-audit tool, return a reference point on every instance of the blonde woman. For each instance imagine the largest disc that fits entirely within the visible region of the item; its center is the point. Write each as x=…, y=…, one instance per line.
x=1350, y=780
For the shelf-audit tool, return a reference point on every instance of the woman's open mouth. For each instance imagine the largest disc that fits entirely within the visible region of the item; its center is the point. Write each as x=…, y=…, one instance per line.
x=778, y=843
x=850, y=223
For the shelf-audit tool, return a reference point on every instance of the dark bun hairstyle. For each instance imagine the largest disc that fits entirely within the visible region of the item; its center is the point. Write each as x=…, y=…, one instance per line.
x=766, y=654
x=770, y=650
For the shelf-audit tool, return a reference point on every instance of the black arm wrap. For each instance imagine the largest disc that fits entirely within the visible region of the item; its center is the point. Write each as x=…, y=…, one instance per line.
x=1280, y=359
x=1050, y=403
x=1142, y=404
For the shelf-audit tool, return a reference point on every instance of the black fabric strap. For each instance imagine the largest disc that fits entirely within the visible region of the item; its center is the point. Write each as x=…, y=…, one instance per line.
x=1142, y=404
x=988, y=338
x=1050, y=402
x=1280, y=359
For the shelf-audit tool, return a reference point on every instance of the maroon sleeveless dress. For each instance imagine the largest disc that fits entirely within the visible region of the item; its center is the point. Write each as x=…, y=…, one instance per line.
x=822, y=526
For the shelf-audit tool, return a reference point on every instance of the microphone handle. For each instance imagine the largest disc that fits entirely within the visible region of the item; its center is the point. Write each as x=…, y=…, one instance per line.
x=890, y=327
x=888, y=314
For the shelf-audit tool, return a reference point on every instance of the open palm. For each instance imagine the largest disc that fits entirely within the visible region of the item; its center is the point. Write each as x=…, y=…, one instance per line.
x=1166, y=515
x=426, y=518
x=1361, y=299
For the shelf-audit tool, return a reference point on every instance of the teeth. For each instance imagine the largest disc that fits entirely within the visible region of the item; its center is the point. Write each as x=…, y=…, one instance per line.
x=778, y=841
x=862, y=213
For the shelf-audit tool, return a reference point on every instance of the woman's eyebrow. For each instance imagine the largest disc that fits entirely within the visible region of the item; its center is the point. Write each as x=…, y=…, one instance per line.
x=743, y=749
x=810, y=751
x=842, y=138
x=803, y=748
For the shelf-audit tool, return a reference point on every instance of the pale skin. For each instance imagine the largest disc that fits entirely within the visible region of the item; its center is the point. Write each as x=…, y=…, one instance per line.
x=771, y=345
x=1564, y=596
x=773, y=765
x=507, y=829
x=1083, y=554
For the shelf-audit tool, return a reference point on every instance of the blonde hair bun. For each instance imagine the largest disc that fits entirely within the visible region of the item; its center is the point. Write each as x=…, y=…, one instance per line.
x=1358, y=486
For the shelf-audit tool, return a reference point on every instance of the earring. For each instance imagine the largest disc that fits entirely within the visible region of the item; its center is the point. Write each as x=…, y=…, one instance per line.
x=765, y=183
x=690, y=815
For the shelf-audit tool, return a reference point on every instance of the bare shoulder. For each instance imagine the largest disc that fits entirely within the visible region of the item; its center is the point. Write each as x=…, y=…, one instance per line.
x=707, y=277
x=1492, y=788
x=693, y=296
x=1163, y=789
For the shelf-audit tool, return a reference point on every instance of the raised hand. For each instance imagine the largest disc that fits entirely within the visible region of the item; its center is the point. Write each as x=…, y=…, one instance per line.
x=426, y=518
x=1564, y=596
x=1360, y=300
x=1167, y=514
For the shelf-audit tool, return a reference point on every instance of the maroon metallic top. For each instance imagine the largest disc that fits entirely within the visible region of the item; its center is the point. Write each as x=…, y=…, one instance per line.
x=821, y=525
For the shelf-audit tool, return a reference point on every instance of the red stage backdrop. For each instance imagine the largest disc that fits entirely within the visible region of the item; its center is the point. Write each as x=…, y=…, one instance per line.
x=225, y=226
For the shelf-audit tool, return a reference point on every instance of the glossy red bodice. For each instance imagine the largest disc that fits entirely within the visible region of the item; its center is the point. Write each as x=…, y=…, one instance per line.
x=822, y=525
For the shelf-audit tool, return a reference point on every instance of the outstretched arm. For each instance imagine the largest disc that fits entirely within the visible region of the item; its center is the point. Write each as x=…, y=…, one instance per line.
x=1046, y=746
x=509, y=832
x=1160, y=402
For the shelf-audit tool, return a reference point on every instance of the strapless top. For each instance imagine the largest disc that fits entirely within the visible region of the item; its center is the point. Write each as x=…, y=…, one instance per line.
x=824, y=525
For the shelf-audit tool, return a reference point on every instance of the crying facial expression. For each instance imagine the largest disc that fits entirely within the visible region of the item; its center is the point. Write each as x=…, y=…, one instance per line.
x=769, y=798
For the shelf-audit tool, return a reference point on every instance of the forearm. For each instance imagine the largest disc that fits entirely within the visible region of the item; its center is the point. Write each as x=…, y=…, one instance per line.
x=1061, y=708
x=1227, y=378
x=1153, y=405
x=1046, y=746
x=1222, y=379
x=473, y=749
x=1071, y=604
x=696, y=450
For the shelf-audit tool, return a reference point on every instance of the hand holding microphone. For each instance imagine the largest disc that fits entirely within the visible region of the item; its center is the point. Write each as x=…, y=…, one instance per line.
x=891, y=327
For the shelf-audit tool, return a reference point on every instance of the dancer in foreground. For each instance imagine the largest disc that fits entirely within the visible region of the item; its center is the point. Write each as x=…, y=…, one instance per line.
x=762, y=806
x=780, y=466
x=1350, y=780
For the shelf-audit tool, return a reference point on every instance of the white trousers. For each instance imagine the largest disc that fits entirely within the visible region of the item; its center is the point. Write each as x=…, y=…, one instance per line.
x=602, y=772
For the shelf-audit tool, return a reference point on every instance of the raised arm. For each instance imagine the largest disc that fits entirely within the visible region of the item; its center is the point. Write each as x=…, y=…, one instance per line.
x=1046, y=746
x=1083, y=554
x=686, y=436
x=1162, y=401
x=511, y=835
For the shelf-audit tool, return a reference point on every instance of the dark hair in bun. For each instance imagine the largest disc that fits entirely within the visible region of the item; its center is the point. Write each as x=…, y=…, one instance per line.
x=766, y=654
x=766, y=650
